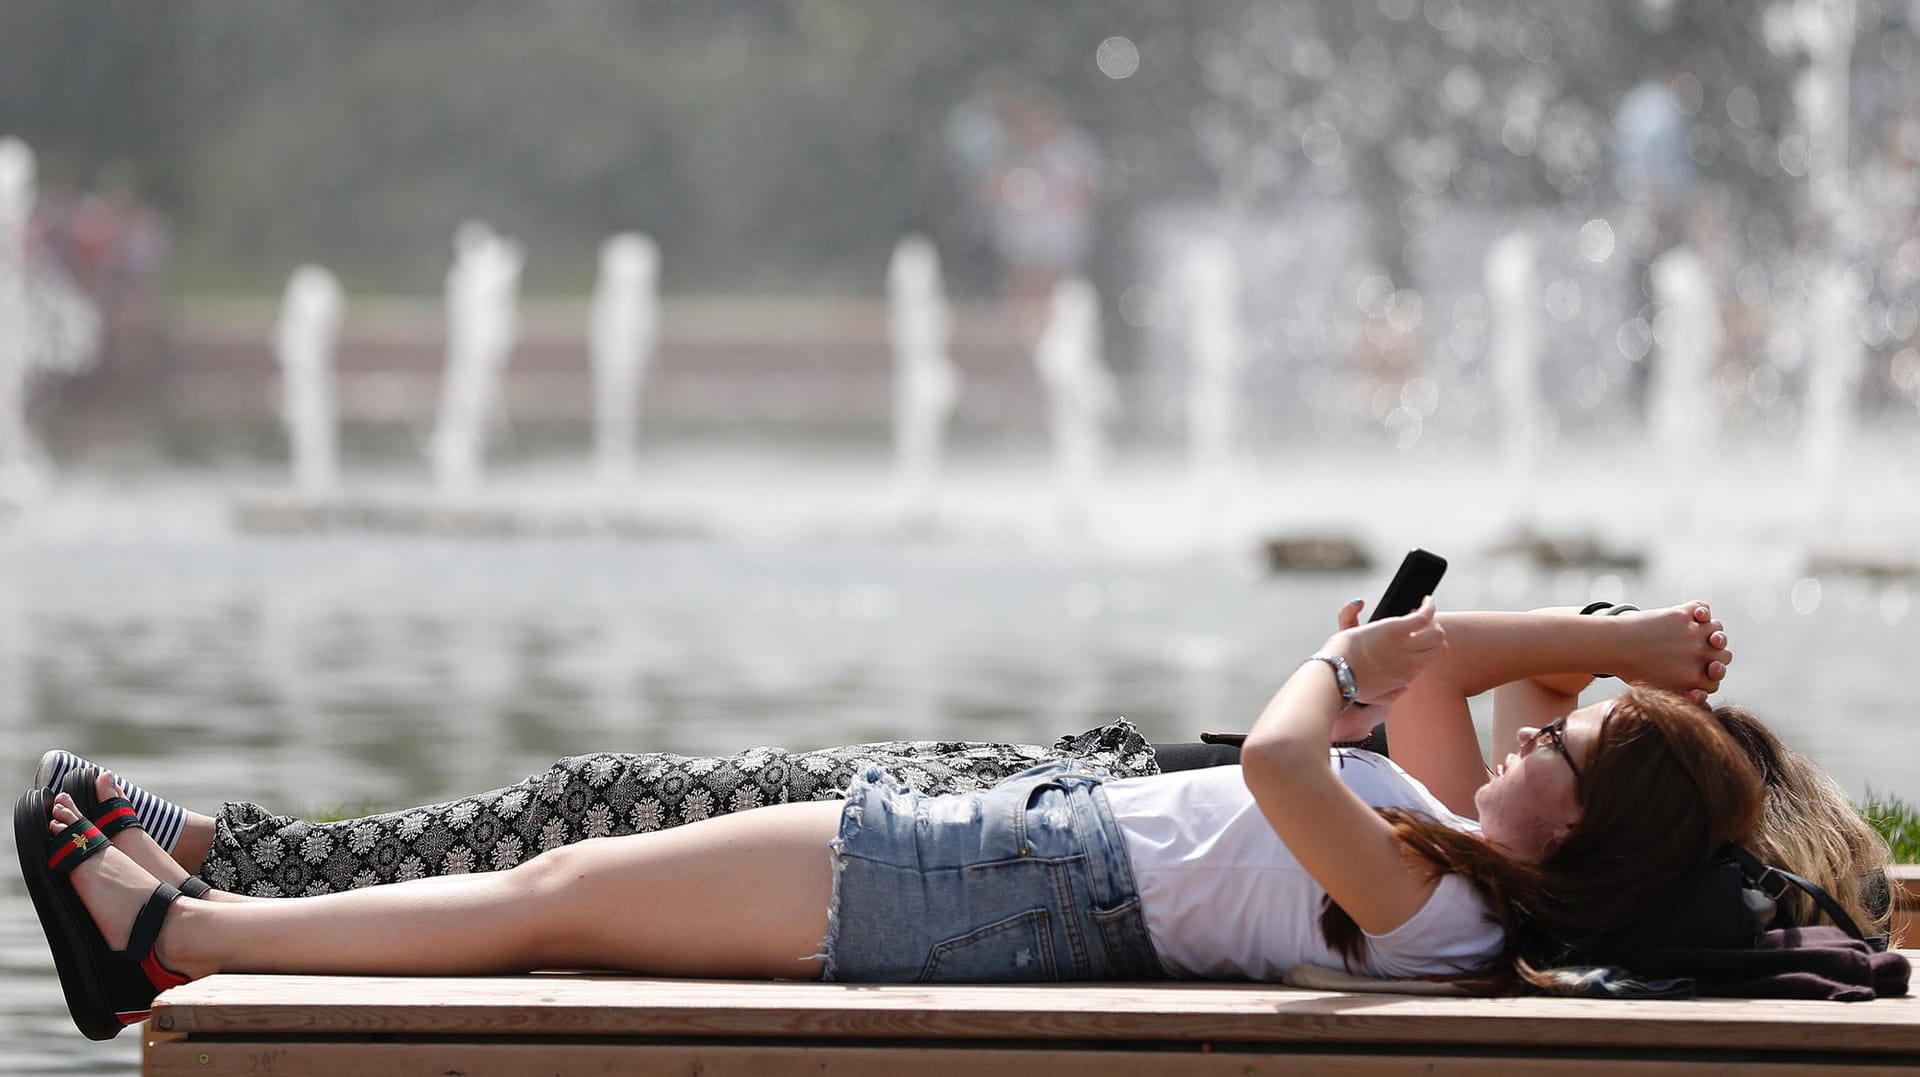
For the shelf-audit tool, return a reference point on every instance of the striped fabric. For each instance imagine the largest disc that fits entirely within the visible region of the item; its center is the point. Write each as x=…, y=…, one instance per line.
x=162, y=818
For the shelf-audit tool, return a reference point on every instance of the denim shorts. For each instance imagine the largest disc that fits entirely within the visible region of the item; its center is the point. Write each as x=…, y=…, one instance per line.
x=1026, y=881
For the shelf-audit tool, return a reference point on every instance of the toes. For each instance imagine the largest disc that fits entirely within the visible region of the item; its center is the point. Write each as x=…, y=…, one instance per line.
x=63, y=814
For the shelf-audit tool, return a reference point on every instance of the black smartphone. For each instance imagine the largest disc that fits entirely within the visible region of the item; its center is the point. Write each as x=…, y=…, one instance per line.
x=1419, y=575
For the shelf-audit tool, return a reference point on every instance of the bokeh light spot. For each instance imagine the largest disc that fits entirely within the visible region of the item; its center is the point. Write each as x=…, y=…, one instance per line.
x=1904, y=369
x=1635, y=339
x=1596, y=240
x=1805, y=596
x=1420, y=394
x=1117, y=57
x=1536, y=42
x=1139, y=306
x=1743, y=106
x=1563, y=299
x=1404, y=426
x=1321, y=143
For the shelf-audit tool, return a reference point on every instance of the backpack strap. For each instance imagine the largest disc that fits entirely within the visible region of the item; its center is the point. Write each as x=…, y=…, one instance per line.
x=1773, y=882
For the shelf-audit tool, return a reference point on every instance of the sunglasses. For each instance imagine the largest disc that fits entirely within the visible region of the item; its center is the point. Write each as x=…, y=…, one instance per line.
x=1554, y=733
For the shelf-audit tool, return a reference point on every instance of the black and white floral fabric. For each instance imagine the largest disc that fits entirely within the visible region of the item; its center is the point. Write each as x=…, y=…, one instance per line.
x=589, y=796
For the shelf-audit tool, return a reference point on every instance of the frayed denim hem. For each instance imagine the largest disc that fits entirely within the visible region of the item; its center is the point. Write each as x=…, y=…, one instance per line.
x=851, y=813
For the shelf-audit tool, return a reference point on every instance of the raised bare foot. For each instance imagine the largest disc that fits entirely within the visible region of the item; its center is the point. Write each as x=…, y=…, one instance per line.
x=1680, y=648
x=186, y=836
x=135, y=841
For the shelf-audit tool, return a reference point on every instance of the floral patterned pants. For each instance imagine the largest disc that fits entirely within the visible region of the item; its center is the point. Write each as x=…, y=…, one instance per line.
x=589, y=796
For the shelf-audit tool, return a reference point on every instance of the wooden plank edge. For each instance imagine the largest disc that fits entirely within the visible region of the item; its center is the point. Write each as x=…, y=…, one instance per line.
x=292, y=1059
x=547, y=1006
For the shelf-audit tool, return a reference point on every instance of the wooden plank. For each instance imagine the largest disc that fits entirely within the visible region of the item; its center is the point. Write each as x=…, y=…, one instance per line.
x=1906, y=885
x=1905, y=880
x=232, y=1059
x=578, y=1005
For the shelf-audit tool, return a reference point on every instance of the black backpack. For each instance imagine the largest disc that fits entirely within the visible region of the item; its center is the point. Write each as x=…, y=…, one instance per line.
x=1727, y=906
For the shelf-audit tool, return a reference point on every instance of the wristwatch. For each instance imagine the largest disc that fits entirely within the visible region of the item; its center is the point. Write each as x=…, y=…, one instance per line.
x=1342, y=675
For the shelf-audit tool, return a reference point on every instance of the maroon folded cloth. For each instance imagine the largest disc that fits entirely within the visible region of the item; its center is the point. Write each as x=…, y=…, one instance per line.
x=1793, y=962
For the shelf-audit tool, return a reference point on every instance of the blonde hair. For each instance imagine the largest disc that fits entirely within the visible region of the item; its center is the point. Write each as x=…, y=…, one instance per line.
x=1809, y=827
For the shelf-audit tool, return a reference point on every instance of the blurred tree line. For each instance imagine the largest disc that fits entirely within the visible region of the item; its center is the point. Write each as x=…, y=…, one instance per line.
x=783, y=145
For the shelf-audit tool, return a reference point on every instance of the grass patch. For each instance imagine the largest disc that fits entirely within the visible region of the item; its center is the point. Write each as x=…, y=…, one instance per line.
x=339, y=813
x=1898, y=822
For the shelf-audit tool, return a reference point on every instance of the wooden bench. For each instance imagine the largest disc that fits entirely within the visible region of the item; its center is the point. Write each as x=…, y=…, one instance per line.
x=577, y=1023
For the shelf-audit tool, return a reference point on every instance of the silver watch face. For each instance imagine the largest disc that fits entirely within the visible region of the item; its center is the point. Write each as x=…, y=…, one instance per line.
x=1344, y=674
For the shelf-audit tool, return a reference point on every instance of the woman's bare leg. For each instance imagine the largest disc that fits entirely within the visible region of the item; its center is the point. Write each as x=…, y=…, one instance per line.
x=739, y=895
x=195, y=842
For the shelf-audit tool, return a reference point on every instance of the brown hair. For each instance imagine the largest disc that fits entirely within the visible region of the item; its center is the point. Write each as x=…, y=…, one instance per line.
x=1808, y=827
x=1665, y=786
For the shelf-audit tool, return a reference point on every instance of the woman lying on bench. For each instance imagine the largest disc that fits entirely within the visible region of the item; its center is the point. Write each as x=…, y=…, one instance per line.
x=1533, y=661
x=1056, y=874
x=247, y=849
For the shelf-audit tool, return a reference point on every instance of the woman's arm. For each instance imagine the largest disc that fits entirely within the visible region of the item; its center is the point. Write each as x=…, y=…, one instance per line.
x=1341, y=841
x=1547, y=656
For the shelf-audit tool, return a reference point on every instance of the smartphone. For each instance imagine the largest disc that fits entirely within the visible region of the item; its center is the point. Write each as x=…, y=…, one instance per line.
x=1419, y=574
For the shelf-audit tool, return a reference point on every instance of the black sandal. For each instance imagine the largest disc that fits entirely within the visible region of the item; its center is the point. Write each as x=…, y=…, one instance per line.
x=113, y=815
x=106, y=989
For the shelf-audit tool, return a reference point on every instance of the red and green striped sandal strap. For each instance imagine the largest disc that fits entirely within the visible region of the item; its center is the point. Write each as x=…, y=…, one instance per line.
x=115, y=814
x=71, y=845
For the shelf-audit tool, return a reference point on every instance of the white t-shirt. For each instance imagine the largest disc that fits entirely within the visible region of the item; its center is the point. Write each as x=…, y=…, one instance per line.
x=1225, y=899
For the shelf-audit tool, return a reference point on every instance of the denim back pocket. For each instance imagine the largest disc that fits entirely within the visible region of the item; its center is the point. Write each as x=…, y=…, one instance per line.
x=1017, y=949
x=1127, y=949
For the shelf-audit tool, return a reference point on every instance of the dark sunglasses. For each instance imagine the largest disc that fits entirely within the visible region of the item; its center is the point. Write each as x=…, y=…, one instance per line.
x=1554, y=733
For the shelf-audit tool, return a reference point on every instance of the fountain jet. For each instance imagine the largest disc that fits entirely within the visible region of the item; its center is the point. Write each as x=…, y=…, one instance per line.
x=1513, y=361
x=483, y=288
x=1683, y=414
x=1833, y=385
x=304, y=342
x=1212, y=286
x=1081, y=395
x=624, y=335
x=45, y=325
x=925, y=384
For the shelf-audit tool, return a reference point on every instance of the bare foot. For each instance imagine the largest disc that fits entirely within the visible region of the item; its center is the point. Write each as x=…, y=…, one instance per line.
x=114, y=889
x=135, y=841
x=1680, y=648
x=140, y=846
